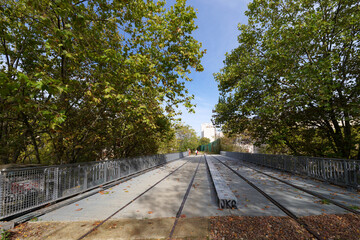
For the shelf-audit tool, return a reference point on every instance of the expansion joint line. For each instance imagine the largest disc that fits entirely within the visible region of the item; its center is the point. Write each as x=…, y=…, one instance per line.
x=97, y=226
x=178, y=214
x=276, y=203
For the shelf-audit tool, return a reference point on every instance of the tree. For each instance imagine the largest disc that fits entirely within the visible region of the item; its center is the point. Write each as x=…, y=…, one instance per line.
x=204, y=140
x=186, y=137
x=294, y=78
x=81, y=77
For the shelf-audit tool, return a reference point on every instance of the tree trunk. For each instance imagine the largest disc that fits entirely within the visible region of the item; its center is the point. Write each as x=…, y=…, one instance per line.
x=33, y=138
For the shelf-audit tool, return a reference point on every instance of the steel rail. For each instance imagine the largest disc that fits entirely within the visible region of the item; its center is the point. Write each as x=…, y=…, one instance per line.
x=41, y=210
x=322, y=197
x=178, y=214
x=276, y=203
x=141, y=194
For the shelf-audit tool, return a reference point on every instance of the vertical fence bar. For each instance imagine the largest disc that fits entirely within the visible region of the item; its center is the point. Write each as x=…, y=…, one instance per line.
x=308, y=171
x=323, y=174
x=85, y=178
x=346, y=173
x=337, y=171
x=56, y=184
x=1, y=193
x=119, y=165
x=357, y=175
x=105, y=171
x=78, y=183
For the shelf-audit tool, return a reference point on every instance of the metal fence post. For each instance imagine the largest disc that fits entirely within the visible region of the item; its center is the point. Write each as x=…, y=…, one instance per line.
x=357, y=168
x=79, y=176
x=308, y=167
x=346, y=173
x=47, y=183
x=56, y=184
x=1, y=193
x=323, y=169
x=119, y=169
x=105, y=171
x=85, y=178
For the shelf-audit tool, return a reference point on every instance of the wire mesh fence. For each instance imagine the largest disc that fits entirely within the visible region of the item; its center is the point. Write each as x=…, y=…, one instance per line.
x=213, y=147
x=26, y=188
x=344, y=172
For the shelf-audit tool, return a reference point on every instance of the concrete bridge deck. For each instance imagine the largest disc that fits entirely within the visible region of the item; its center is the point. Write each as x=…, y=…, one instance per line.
x=163, y=200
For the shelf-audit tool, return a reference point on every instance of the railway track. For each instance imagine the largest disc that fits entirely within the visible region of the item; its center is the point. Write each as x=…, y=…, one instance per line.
x=28, y=215
x=144, y=192
x=276, y=203
x=178, y=214
x=223, y=162
x=322, y=197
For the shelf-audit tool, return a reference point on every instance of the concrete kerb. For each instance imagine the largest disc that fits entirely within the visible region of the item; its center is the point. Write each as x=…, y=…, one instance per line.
x=225, y=196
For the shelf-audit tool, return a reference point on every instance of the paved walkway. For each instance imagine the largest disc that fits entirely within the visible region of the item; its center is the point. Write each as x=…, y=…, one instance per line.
x=160, y=202
x=157, y=208
x=298, y=202
x=164, y=199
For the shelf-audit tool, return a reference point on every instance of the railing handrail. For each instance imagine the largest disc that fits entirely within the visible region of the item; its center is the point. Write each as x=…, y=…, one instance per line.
x=80, y=163
x=298, y=156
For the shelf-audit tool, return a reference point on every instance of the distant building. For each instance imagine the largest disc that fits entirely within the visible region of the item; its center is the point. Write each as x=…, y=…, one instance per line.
x=209, y=131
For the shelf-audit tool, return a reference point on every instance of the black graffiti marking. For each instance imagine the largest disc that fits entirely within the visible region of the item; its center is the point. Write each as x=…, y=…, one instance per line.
x=224, y=203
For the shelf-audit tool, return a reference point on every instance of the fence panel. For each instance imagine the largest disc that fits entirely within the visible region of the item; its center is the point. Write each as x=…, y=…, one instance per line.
x=342, y=172
x=26, y=188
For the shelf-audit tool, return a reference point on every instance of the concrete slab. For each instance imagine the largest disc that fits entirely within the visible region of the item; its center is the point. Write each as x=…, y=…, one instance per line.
x=226, y=198
x=340, y=194
x=250, y=202
x=202, y=200
x=163, y=201
x=348, y=197
x=300, y=203
x=103, y=204
x=157, y=228
x=192, y=228
x=6, y=225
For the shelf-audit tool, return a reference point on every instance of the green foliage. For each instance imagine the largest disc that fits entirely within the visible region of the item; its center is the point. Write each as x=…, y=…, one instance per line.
x=169, y=143
x=232, y=143
x=186, y=137
x=35, y=219
x=85, y=80
x=5, y=235
x=325, y=201
x=293, y=81
x=204, y=141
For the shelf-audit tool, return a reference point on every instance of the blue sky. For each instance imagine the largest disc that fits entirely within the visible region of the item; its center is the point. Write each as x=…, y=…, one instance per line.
x=217, y=22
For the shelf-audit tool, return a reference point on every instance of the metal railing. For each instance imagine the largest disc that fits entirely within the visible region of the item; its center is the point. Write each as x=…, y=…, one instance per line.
x=26, y=188
x=343, y=172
